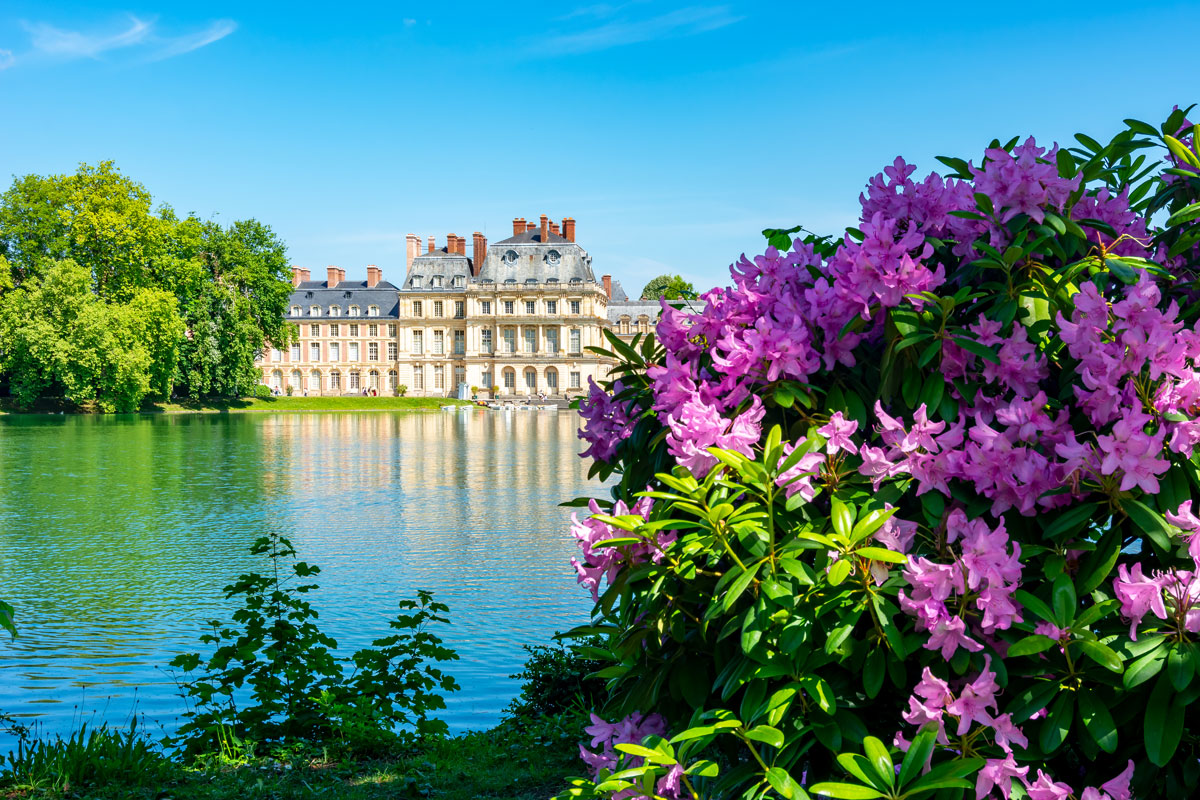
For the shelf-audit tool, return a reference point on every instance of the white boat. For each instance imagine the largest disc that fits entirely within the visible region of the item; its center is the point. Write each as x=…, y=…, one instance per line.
x=548, y=408
x=449, y=408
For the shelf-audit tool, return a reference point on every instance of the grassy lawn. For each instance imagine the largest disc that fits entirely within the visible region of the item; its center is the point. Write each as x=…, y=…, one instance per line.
x=255, y=404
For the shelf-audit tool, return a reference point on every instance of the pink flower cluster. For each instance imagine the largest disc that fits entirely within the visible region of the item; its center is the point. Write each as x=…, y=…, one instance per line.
x=607, y=422
x=631, y=730
x=605, y=562
x=1046, y=788
x=982, y=578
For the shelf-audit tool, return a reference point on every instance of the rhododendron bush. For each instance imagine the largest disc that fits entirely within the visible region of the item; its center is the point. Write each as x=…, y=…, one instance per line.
x=911, y=513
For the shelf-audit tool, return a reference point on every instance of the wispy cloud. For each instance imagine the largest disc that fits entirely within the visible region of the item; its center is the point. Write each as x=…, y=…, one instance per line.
x=142, y=36
x=623, y=30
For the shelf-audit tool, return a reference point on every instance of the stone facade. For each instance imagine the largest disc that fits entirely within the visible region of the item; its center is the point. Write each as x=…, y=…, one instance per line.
x=518, y=315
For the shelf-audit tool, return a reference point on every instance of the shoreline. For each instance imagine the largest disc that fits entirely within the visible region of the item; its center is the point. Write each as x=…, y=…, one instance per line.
x=250, y=405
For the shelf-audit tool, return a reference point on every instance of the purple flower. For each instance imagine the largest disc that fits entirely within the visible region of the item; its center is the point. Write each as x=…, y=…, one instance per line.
x=1138, y=595
x=606, y=422
x=837, y=433
x=998, y=773
x=1046, y=789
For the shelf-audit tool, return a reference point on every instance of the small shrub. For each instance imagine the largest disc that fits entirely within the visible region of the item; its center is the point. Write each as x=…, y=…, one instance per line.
x=555, y=680
x=97, y=757
x=260, y=390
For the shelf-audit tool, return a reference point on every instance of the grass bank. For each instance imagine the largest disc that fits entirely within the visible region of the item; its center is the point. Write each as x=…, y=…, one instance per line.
x=233, y=405
x=509, y=762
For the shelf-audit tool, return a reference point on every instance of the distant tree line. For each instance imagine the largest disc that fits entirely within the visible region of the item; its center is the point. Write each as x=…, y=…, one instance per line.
x=670, y=287
x=107, y=301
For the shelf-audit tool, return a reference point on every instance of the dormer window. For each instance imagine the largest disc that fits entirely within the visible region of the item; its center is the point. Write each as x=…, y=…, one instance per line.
x=335, y=311
x=459, y=281
x=553, y=257
x=354, y=312
x=510, y=280
x=295, y=311
x=437, y=281
x=510, y=257
x=416, y=281
x=314, y=311
x=372, y=311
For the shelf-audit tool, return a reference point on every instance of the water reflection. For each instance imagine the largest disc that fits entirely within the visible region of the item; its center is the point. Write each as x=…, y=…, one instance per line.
x=117, y=535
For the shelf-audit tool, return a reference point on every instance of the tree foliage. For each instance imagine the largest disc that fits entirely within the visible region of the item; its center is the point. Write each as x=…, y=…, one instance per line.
x=671, y=287
x=910, y=514
x=150, y=304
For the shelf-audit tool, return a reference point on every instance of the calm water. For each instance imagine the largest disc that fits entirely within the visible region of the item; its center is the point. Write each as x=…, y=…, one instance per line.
x=118, y=534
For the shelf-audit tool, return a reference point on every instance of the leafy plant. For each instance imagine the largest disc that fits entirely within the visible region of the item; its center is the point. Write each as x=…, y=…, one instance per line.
x=936, y=475
x=298, y=687
x=96, y=757
x=555, y=680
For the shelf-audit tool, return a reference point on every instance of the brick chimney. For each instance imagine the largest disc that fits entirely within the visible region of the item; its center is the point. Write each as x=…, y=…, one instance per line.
x=554, y=228
x=431, y=244
x=297, y=276
x=530, y=225
x=341, y=275
x=545, y=229
x=305, y=276
x=331, y=276
x=478, y=252
x=462, y=244
x=412, y=249
x=607, y=281
x=518, y=226
x=569, y=229
x=374, y=274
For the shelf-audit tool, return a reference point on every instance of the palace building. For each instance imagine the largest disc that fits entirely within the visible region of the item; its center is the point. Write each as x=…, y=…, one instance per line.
x=515, y=318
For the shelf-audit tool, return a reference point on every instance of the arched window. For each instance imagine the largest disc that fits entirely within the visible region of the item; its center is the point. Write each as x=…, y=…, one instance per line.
x=335, y=380
x=314, y=311
x=314, y=380
x=372, y=311
x=531, y=379
x=277, y=379
x=354, y=382
x=294, y=380
x=552, y=380
x=391, y=385
x=335, y=311
x=510, y=380
x=353, y=311
x=374, y=375
x=295, y=311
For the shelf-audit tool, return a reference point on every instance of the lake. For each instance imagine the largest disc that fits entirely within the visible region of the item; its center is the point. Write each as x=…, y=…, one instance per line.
x=117, y=535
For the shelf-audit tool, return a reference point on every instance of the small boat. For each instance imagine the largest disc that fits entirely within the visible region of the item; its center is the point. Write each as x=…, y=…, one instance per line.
x=449, y=408
x=548, y=408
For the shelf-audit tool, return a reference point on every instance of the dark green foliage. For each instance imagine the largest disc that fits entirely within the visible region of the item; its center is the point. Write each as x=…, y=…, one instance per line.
x=555, y=680
x=671, y=287
x=297, y=685
x=84, y=759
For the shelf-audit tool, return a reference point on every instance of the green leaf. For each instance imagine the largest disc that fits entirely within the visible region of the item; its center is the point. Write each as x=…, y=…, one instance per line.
x=1035, y=604
x=1031, y=645
x=704, y=768
x=1098, y=564
x=1101, y=654
x=881, y=760
x=1181, y=665
x=1149, y=521
x=839, y=571
x=882, y=554
x=981, y=350
x=782, y=783
x=1097, y=720
x=918, y=754
x=1185, y=214
x=842, y=518
x=739, y=585
x=653, y=756
x=767, y=735
x=1146, y=667
x=1065, y=602
x=845, y=791
x=1164, y=723
x=871, y=522
x=1057, y=723
x=1071, y=521
x=860, y=768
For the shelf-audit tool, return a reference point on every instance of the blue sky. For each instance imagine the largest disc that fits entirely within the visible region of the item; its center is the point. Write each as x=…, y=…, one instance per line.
x=673, y=133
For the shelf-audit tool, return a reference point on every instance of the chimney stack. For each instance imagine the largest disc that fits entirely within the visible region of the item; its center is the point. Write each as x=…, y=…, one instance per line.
x=607, y=281
x=297, y=275
x=412, y=249
x=479, y=252
x=518, y=226
x=374, y=274
x=462, y=245
x=545, y=229
x=554, y=228
x=331, y=276
x=530, y=225
x=568, y=228
x=431, y=244
x=305, y=276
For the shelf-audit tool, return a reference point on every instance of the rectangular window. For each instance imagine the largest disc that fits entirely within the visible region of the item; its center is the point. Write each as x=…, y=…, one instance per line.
x=460, y=342
x=485, y=341
x=574, y=306
x=510, y=379
x=437, y=308
x=372, y=330
x=575, y=341
x=437, y=281
x=353, y=353
x=392, y=351
x=487, y=382
x=508, y=307
x=552, y=307
x=354, y=379
x=552, y=381
x=276, y=354
x=418, y=342
x=439, y=342
x=419, y=377
x=485, y=306
x=439, y=376
x=391, y=329
x=574, y=378
x=510, y=340
x=460, y=309
x=335, y=380
x=552, y=340
x=373, y=351
x=354, y=329
x=335, y=351
x=530, y=306
x=531, y=340
x=333, y=330
x=314, y=351
x=417, y=309
x=460, y=281
x=296, y=352
x=314, y=330
x=460, y=377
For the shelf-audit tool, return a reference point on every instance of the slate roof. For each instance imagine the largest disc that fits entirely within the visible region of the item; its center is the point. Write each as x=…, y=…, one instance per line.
x=533, y=237
x=438, y=263
x=344, y=295
x=633, y=309
x=618, y=293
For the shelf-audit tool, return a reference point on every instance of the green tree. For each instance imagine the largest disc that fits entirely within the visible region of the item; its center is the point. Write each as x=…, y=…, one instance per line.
x=671, y=287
